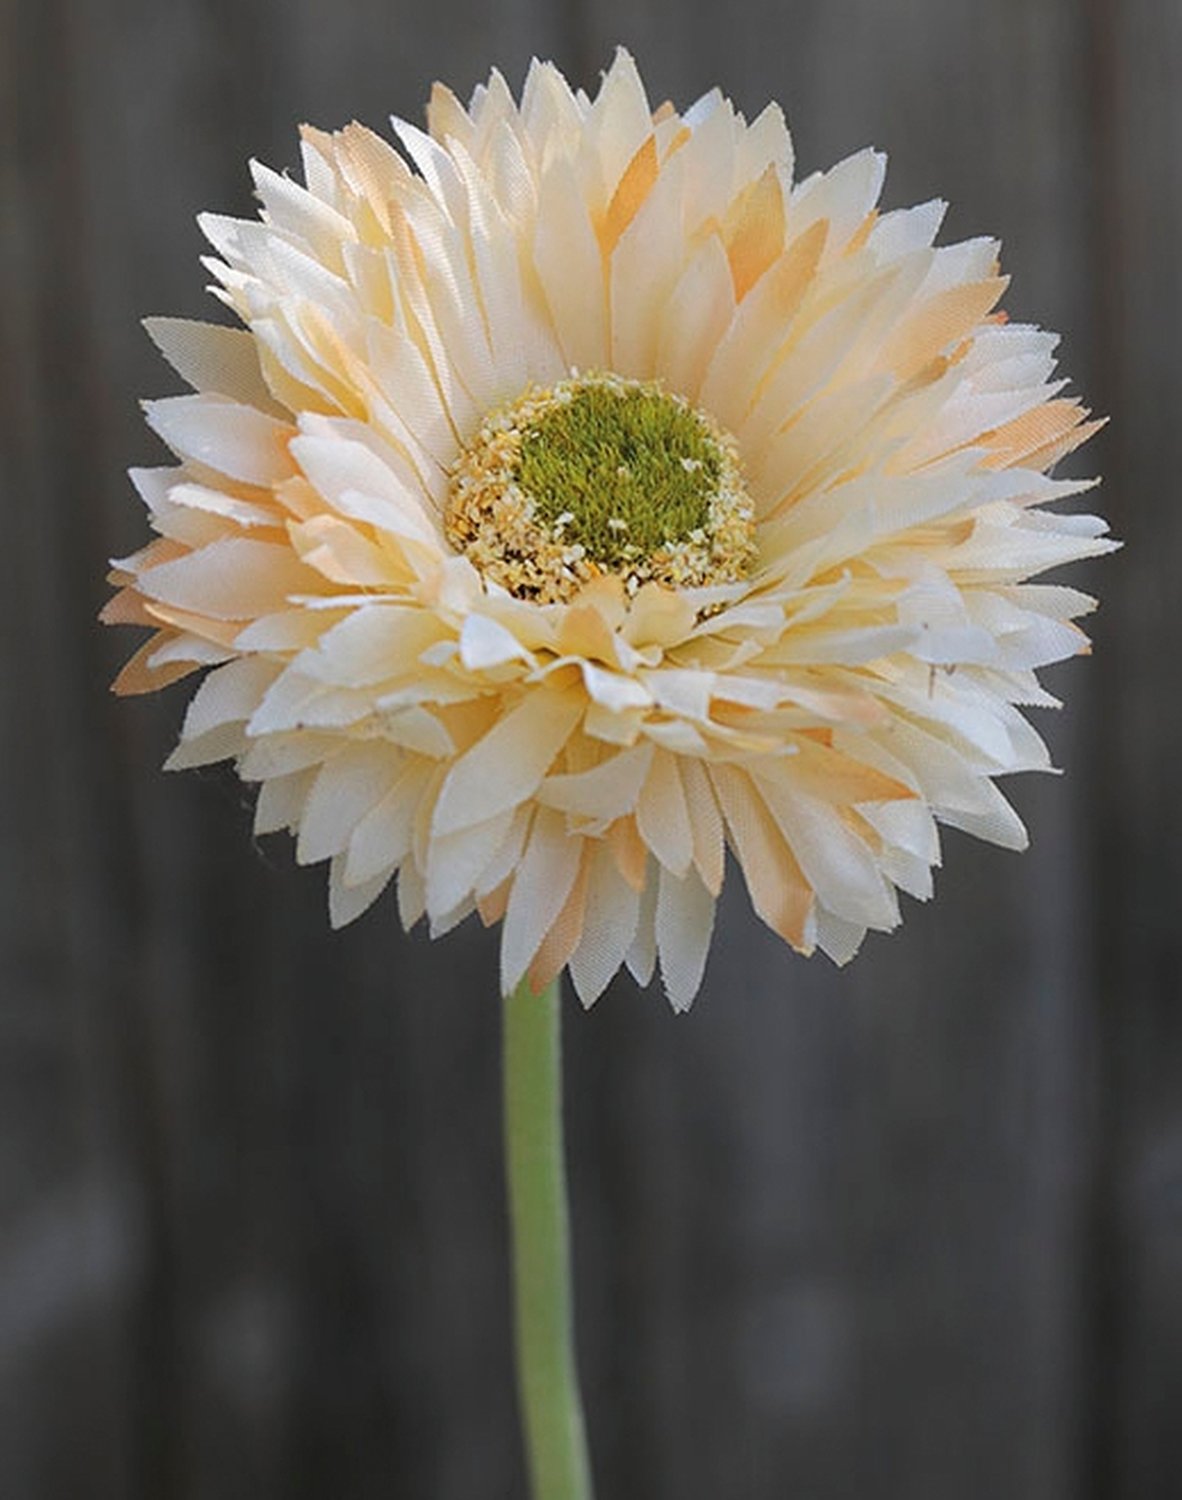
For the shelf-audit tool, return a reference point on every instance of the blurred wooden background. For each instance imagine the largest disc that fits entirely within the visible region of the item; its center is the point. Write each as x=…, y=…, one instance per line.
x=907, y=1232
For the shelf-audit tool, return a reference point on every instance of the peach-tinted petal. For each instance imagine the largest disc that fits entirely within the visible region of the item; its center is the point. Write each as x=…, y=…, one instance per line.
x=575, y=765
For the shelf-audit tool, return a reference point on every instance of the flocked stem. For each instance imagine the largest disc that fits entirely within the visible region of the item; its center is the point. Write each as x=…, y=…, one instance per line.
x=547, y=1380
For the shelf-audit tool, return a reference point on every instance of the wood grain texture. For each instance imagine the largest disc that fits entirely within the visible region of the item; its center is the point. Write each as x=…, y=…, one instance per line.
x=909, y=1230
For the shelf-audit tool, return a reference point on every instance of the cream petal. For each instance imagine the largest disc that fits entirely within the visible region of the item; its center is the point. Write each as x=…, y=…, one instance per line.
x=296, y=702
x=189, y=648
x=406, y=382
x=507, y=765
x=215, y=360
x=837, y=937
x=684, y=924
x=811, y=448
x=244, y=513
x=441, y=925
x=347, y=902
x=550, y=113
x=340, y=466
x=706, y=820
x=614, y=691
x=761, y=328
x=996, y=823
x=508, y=855
x=710, y=161
x=645, y=267
x=484, y=643
x=343, y=555
x=766, y=140
x=456, y=861
x=778, y=890
x=420, y=730
x=958, y=794
x=293, y=210
x=288, y=630
x=236, y=440
x=382, y=837
x=825, y=346
x=347, y=788
x=695, y=318
x=316, y=157
x=663, y=817
x=566, y=255
x=904, y=230
x=235, y=579
x=541, y=885
x=604, y=793
x=641, y=957
x=226, y=742
x=411, y=896
x=438, y=168
x=229, y=695
x=679, y=738
x=844, y=195
x=1009, y=554
x=619, y=119
x=377, y=643
x=609, y=926
x=837, y=864
x=447, y=117
x=281, y=801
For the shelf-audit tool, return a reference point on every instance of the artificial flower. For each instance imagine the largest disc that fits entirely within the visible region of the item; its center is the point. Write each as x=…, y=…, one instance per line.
x=582, y=497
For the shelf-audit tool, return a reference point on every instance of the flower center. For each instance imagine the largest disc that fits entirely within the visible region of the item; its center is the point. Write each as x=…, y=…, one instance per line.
x=596, y=475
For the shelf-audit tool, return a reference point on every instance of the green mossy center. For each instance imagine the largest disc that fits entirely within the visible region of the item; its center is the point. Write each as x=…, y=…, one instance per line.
x=621, y=471
x=600, y=475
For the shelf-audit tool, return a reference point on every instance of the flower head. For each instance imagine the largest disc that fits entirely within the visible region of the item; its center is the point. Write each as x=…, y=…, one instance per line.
x=582, y=497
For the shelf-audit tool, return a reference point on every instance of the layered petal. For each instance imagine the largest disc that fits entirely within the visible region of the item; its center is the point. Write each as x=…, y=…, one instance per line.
x=576, y=770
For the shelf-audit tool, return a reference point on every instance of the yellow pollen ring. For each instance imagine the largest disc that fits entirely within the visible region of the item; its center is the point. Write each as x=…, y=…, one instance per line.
x=600, y=475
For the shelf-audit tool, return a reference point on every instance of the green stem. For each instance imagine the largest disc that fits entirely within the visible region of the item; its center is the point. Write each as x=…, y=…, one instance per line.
x=547, y=1380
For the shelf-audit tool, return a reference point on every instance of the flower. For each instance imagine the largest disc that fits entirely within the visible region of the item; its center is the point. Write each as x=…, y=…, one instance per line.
x=584, y=497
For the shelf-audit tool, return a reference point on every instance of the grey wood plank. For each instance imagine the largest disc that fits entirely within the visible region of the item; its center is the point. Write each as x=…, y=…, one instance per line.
x=1138, y=1251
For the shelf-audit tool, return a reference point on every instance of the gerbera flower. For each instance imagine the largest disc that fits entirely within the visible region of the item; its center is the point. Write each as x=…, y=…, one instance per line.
x=583, y=497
